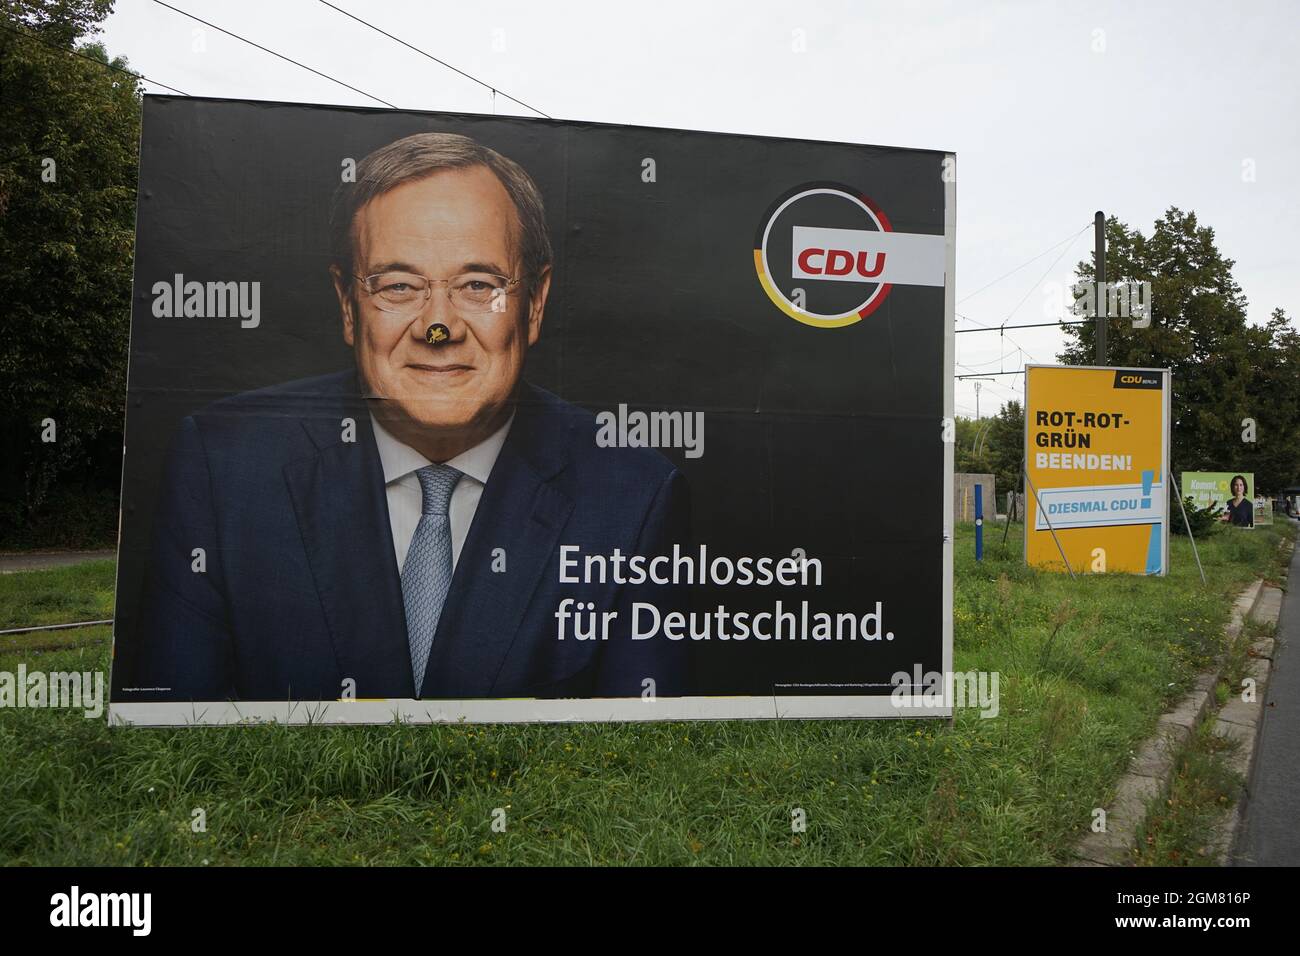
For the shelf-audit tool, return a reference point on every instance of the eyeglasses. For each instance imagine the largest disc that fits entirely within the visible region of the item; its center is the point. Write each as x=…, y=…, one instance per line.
x=406, y=293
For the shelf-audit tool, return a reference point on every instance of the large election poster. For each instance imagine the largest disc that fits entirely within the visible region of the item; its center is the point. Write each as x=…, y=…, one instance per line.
x=444, y=417
x=1097, y=464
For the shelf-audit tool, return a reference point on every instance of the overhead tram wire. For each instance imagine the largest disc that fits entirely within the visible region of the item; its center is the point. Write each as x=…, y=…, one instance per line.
x=1025, y=263
x=1068, y=242
x=994, y=328
x=978, y=374
x=995, y=361
x=1012, y=390
x=454, y=69
x=1026, y=296
x=281, y=56
x=1068, y=245
x=1030, y=291
x=84, y=56
x=1011, y=387
x=1032, y=325
x=975, y=371
x=1006, y=392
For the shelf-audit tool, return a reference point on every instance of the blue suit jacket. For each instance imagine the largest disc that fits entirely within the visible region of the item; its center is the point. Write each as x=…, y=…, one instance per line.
x=301, y=588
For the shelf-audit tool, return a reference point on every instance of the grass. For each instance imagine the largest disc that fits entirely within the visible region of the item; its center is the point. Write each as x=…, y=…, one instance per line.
x=1238, y=657
x=1086, y=668
x=1182, y=829
x=79, y=592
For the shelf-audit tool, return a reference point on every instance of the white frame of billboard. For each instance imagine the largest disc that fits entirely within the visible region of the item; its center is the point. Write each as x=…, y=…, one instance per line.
x=621, y=709
x=1166, y=389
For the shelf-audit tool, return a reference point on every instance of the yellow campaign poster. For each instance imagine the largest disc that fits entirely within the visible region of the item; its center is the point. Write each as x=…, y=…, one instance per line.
x=1097, y=464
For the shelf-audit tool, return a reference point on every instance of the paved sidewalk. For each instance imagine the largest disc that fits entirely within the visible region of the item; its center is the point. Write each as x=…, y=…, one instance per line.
x=1271, y=835
x=39, y=560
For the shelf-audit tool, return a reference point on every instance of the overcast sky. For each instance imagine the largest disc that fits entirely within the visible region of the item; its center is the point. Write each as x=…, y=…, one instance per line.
x=1055, y=110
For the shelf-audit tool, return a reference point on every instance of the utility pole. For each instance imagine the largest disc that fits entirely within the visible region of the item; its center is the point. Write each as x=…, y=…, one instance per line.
x=1099, y=261
x=977, y=382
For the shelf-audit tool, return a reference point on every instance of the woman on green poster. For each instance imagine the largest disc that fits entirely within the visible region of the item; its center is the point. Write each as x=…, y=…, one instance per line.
x=1240, y=512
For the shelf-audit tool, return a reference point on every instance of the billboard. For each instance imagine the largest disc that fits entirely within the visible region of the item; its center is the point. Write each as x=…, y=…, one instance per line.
x=1216, y=488
x=449, y=417
x=1263, y=511
x=1097, y=456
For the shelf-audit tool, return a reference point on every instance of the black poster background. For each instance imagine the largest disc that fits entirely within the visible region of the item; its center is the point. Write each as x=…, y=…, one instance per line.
x=824, y=439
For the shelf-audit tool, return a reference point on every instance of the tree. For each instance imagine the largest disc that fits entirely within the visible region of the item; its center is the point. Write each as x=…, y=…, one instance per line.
x=62, y=22
x=966, y=437
x=1000, y=442
x=1273, y=402
x=1005, y=445
x=67, y=213
x=1225, y=371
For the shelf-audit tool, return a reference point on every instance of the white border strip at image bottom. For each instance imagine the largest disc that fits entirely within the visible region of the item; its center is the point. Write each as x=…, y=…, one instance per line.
x=623, y=709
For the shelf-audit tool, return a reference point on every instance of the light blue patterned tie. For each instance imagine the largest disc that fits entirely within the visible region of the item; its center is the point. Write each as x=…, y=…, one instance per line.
x=426, y=575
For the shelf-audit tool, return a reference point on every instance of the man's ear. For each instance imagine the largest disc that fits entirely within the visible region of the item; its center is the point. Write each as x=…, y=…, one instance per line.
x=347, y=308
x=537, y=305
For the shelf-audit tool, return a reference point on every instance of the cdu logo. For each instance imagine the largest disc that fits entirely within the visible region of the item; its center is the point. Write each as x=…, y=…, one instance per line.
x=1139, y=378
x=827, y=256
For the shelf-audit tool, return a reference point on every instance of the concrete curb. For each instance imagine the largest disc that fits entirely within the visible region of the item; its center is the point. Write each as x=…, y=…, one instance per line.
x=1152, y=767
x=1240, y=721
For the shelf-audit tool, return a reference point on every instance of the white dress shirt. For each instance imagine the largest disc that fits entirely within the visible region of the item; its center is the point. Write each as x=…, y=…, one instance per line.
x=406, y=500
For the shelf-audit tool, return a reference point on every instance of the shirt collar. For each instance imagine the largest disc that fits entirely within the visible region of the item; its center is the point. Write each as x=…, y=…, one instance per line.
x=399, y=460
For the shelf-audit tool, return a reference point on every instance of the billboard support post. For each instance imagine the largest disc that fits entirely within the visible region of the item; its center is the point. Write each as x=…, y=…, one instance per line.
x=1039, y=502
x=1187, y=524
x=1011, y=506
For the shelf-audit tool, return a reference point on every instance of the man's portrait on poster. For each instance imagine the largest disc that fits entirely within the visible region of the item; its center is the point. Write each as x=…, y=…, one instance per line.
x=398, y=524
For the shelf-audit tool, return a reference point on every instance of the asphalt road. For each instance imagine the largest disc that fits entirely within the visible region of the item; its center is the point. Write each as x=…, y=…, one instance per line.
x=1271, y=831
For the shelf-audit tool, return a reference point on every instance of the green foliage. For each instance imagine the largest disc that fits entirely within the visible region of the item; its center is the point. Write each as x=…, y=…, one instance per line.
x=67, y=214
x=1006, y=445
x=58, y=21
x=993, y=446
x=1204, y=521
x=76, y=514
x=1224, y=369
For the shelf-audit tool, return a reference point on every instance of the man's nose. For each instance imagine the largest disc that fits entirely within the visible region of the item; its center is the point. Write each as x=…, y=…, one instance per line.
x=438, y=310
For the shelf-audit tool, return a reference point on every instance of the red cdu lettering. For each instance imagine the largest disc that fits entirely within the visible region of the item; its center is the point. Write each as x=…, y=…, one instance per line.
x=862, y=265
x=805, y=261
x=833, y=263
